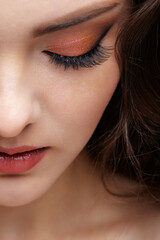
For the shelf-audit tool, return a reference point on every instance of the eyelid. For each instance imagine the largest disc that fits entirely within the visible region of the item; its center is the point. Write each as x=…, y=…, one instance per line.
x=100, y=38
x=79, y=46
x=103, y=35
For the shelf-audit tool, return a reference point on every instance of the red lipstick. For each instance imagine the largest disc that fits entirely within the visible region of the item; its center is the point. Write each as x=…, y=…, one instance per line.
x=20, y=159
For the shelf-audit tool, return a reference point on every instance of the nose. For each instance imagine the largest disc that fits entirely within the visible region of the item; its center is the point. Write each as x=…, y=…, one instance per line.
x=18, y=105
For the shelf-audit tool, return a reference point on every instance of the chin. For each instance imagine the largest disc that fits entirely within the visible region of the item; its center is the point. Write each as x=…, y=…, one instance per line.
x=16, y=192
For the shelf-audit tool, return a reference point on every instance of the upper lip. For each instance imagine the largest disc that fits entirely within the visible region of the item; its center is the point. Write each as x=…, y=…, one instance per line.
x=20, y=149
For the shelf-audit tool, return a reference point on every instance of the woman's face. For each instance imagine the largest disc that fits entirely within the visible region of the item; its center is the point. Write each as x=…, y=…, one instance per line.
x=42, y=103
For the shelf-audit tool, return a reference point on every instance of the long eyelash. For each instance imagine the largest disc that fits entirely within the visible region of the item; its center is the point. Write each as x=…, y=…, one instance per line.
x=96, y=56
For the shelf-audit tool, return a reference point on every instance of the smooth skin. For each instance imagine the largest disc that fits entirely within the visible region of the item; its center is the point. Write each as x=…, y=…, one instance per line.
x=42, y=105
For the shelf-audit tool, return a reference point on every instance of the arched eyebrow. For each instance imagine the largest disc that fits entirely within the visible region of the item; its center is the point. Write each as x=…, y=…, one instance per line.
x=74, y=18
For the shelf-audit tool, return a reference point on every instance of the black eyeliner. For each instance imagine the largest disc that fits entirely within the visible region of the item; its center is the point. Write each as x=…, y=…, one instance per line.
x=95, y=56
x=103, y=35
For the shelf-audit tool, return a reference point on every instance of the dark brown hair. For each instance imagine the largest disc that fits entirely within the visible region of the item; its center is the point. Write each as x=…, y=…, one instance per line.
x=127, y=138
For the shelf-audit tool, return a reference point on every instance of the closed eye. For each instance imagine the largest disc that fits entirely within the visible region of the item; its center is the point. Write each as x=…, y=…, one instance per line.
x=95, y=56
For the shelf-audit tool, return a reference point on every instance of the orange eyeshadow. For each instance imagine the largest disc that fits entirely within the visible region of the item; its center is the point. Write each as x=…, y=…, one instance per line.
x=78, y=40
x=73, y=46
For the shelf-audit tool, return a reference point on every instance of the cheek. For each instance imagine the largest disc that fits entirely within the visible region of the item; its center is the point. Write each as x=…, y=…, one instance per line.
x=89, y=104
x=75, y=103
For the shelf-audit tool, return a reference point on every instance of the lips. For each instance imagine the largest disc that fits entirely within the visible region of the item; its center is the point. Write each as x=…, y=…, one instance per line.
x=20, y=149
x=20, y=159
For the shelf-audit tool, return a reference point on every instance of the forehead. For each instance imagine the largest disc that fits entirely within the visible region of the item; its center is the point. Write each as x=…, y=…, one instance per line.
x=19, y=17
x=50, y=5
x=38, y=10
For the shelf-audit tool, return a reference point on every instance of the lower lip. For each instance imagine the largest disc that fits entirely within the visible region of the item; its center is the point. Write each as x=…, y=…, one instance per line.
x=19, y=163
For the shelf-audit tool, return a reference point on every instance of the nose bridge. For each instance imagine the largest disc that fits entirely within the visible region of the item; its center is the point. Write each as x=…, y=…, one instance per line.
x=12, y=59
x=11, y=81
x=16, y=107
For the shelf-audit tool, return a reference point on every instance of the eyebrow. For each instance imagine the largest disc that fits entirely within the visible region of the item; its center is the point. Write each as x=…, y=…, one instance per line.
x=68, y=20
